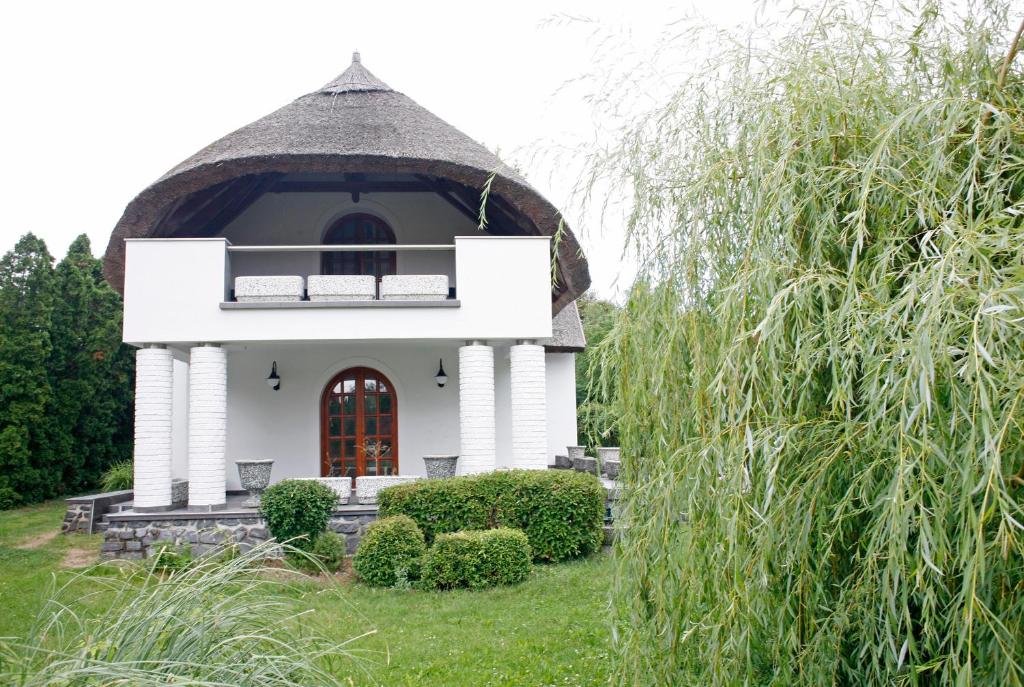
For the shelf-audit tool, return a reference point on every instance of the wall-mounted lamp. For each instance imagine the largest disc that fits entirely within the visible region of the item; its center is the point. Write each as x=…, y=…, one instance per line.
x=441, y=377
x=273, y=381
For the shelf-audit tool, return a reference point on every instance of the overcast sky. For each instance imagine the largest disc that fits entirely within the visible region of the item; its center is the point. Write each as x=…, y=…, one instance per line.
x=101, y=98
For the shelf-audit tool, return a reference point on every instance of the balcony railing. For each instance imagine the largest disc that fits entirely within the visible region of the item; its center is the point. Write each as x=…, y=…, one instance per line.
x=273, y=276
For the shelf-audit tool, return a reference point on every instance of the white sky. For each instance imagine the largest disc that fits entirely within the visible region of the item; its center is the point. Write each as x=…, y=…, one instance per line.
x=101, y=98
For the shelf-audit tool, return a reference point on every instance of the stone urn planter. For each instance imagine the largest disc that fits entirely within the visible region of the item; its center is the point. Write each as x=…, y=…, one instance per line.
x=576, y=452
x=440, y=467
x=610, y=460
x=255, y=477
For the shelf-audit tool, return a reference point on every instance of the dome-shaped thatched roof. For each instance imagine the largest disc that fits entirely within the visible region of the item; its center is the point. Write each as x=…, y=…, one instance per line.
x=354, y=125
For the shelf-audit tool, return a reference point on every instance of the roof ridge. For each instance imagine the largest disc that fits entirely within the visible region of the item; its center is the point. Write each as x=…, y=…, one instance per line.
x=354, y=79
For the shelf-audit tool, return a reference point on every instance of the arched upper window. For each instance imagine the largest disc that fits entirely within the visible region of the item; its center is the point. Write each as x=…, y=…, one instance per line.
x=359, y=229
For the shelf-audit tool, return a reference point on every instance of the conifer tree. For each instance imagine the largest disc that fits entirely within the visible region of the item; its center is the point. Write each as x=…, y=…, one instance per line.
x=89, y=416
x=26, y=309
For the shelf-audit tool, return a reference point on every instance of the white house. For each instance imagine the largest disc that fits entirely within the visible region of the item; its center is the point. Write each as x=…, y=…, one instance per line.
x=333, y=247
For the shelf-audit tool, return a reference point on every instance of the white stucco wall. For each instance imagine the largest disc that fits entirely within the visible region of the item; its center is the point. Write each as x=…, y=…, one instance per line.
x=285, y=424
x=561, y=385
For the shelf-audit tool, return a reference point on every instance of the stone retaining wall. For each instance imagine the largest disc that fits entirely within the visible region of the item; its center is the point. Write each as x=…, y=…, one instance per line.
x=134, y=538
x=83, y=512
x=77, y=518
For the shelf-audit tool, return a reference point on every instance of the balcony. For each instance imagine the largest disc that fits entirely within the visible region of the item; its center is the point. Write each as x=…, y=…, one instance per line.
x=191, y=290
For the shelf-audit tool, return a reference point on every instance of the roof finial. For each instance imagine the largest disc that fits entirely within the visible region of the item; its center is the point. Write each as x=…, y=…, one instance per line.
x=355, y=56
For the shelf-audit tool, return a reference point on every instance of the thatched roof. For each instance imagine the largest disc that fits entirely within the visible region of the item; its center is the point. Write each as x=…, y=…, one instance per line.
x=354, y=125
x=566, y=332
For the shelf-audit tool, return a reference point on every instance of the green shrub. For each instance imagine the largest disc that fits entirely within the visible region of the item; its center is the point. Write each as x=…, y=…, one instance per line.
x=389, y=552
x=448, y=505
x=477, y=559
x=561, y=512
x=118, y=477
x=329, y=548
x=166, y=557
x=298, y=508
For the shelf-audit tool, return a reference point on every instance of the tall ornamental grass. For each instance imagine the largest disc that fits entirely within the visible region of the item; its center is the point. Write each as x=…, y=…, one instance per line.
x=219, y=621
x=819, y=375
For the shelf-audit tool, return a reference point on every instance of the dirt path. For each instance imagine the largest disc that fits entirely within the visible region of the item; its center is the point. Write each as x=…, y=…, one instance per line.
x=37, y=541
x=78, y=558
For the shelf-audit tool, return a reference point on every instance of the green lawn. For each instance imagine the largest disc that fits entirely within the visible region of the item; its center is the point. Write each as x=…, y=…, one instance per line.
x=550, y=630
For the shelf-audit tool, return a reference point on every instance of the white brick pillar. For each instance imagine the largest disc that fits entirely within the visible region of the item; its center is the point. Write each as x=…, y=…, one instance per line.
x=207, y=427
x=478, y=452
x=154, y=408
x=529, y=407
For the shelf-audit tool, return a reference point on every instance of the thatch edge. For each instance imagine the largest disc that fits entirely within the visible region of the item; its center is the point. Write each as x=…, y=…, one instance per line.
x=145, y=210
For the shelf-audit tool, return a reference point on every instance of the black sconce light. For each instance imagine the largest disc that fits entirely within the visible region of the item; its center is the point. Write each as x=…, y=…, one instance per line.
x=273, y=380
x=441, y=377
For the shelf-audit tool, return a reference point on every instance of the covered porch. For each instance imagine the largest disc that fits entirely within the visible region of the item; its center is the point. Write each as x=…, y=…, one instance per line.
x=342, y=408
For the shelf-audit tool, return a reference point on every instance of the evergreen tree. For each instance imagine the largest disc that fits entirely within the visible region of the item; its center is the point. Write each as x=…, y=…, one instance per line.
x=89, y=416
x=26, y=309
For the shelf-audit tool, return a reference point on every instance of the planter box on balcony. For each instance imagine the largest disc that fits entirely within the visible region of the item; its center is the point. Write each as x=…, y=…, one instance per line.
x=341, y=287
x=414, y=287
x=268, y=289
x=342, y=486
x=367, y=487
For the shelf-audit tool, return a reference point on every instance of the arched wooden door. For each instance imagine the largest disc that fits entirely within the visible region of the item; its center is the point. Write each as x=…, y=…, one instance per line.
x=359, y=425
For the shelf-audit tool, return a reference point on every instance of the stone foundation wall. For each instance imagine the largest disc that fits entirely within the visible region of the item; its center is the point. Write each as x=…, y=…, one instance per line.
x=134, y=538
x=77, y=518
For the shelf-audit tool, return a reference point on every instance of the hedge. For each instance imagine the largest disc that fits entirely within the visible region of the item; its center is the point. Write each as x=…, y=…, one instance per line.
x=561, y=512
x=298, y=508
x=391, y=549
x=477, y=559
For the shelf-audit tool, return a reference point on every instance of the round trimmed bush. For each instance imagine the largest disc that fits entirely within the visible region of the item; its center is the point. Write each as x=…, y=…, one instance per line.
x=391, y=549
x=297, y=511
x=478, y=559
x=330, y=549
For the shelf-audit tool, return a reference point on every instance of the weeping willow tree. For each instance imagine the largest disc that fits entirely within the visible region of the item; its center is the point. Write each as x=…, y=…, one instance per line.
x=819, y=375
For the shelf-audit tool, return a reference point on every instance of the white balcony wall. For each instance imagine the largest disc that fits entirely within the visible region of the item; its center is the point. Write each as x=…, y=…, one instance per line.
x=174, y=289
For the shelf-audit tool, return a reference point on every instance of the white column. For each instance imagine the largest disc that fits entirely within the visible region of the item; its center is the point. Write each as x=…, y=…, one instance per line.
x=154, y=407
x=478, y=452
x=529, y=407
x=207, y=427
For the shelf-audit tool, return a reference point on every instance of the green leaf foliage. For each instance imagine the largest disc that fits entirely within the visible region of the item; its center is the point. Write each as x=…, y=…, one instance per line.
x=390, y=550
x=118, y=477
x=297, y=511
x=65, y=376
x=477, y=559
x=561, y=511
x=821, y=397
x=329, y=549
x=26, y=312
x=594, y=414
x=91, y=375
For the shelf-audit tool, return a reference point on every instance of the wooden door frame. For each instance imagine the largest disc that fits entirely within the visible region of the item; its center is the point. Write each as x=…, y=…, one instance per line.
x=359, y=371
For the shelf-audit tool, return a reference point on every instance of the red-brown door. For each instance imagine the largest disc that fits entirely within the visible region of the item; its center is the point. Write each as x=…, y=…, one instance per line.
x=358, y=425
